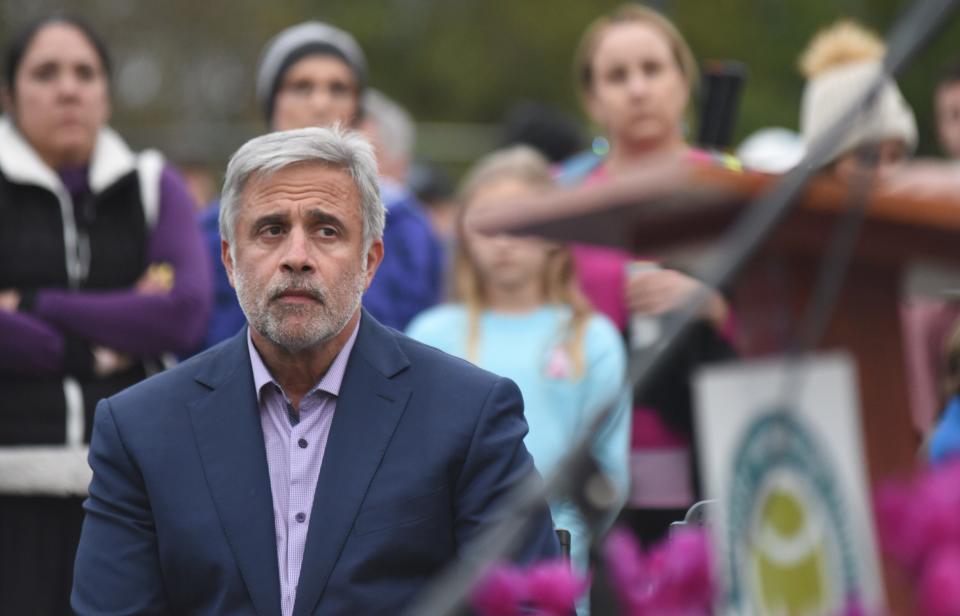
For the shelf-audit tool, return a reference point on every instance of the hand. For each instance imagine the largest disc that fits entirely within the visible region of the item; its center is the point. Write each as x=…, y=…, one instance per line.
x=9, y=300
x=925, y=178
x=107, y=361
x=158, y=279
x=658, y=291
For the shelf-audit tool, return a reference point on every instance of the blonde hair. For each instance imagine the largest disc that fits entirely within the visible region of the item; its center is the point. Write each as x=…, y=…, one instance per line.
x=558, y=282
x=632, y=13
x=844, y=42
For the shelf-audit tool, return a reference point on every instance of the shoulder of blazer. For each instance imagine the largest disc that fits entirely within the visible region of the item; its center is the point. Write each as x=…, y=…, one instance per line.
x=200, y=373
x=379, y=346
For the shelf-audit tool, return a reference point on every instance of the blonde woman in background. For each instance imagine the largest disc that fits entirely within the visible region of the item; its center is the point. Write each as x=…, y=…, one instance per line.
x=635, y=75
x=517, y=312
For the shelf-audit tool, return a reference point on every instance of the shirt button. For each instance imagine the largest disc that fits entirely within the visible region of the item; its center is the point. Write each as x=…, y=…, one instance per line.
x=303, y=443
x=301, y=517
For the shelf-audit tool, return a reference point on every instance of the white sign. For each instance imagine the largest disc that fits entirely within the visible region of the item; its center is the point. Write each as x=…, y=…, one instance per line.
x=781, y=452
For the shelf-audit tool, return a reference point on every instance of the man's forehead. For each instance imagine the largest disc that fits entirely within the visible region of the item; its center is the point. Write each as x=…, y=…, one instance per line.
x=305, y=173
x=301, y=181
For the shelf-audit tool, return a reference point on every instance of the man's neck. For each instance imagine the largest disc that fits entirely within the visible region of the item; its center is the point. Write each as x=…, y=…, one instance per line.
x=297, y=372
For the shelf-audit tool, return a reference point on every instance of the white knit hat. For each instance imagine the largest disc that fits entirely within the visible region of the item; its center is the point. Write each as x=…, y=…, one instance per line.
x=830, y=94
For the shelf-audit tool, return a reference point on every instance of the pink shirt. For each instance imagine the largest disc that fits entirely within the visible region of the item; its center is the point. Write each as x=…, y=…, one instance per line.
x=926, y=324
x=294, y=457
x=660, y=457
x=601, y=272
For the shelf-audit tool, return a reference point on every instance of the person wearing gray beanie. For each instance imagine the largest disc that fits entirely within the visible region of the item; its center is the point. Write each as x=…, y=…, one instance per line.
x=315, y=74
x=301, y=60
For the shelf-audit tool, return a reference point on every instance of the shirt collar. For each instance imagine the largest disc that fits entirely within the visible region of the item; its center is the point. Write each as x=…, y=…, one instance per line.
x=330, y=382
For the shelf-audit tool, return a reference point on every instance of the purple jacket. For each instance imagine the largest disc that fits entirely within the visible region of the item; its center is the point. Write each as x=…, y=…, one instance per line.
x=124, y=320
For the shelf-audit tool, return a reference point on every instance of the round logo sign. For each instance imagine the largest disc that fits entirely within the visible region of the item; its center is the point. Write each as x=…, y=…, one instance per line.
x=788, y=548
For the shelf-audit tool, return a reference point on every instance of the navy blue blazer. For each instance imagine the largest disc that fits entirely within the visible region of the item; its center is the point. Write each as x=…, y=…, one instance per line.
x=422, y=450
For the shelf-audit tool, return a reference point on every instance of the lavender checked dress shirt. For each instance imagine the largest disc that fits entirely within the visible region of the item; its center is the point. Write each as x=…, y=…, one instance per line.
x=295, y=443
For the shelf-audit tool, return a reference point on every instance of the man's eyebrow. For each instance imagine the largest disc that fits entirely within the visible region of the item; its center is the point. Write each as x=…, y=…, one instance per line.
x=270, y=219
x=319, y=216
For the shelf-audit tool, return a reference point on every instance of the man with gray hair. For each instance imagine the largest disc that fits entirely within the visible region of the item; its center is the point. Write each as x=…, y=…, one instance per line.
x=392, y=132
x=315, y=74
x=412, y=278
x=316, y=463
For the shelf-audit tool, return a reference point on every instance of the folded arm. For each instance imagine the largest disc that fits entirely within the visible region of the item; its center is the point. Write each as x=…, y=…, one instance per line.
x=31, y=346
x=138, y=323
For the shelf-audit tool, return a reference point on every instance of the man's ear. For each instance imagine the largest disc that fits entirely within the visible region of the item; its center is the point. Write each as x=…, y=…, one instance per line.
x=374, y=258
x=227, y=259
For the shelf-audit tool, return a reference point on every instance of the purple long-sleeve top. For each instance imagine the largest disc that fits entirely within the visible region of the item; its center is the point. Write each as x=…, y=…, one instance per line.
x=133, y=323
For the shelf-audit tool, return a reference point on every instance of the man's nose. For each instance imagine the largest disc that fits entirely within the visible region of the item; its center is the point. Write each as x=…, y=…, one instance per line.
x=297, y=256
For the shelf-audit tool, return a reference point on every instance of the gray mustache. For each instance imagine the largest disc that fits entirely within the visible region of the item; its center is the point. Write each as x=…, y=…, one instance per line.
x=312, y=291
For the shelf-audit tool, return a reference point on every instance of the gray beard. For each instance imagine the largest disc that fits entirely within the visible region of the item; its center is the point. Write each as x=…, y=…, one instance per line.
x=325, y=322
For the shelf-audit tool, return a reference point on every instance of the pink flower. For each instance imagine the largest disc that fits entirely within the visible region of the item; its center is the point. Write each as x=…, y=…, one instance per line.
x=628, y=571
x=892, y=505
x=919, y=525
x=939, y=592
x=687, y=564
x=675, y=579
x=501, y=592
x=554, y=587
x=936, y=510
x=913, y=519
x=550, y=587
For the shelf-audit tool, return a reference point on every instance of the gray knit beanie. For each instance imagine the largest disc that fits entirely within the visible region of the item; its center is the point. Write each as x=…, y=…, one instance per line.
x=297, y=42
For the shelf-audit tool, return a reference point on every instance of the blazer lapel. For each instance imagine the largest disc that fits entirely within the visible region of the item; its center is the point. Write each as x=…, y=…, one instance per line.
x=368, y=409
x=229, y=436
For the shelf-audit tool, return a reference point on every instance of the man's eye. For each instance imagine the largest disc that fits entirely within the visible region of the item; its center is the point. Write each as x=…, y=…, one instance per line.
x=328, y=232
x=272, y=230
